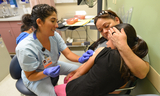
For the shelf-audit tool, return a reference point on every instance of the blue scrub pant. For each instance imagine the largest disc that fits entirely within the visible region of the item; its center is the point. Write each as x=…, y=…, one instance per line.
x=44, y=86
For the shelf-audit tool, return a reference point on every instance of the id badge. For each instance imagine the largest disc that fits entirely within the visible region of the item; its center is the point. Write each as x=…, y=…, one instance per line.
x=47, y=61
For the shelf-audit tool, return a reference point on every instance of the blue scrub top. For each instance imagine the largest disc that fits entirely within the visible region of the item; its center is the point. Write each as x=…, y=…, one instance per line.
x=30, y=54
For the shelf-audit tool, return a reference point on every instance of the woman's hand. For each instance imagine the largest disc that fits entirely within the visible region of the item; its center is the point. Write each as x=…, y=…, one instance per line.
x=86, y=56
x=52, y=71
x=119, y=39
x=70, y=75
x=75, y=76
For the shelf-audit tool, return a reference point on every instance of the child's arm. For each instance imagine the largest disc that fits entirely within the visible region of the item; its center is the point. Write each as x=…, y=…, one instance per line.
x=83, y=69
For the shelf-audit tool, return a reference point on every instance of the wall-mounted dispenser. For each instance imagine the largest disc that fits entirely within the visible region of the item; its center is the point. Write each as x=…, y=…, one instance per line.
x=6, y=12
x=13, y=3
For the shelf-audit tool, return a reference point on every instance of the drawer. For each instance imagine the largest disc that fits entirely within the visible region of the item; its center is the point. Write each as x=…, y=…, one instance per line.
x=4, y=24
x=15, y=23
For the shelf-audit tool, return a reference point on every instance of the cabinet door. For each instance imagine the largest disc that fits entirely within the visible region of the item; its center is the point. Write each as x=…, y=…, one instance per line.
x=4, y=24
x=15, y=24
x=16, y=27
x=16, y=32
x=9, y=39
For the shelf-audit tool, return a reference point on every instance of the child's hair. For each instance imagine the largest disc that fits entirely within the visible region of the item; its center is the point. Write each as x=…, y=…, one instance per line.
x=25, y=28
x=26, y=23
x=138, y=46
x=41, y=11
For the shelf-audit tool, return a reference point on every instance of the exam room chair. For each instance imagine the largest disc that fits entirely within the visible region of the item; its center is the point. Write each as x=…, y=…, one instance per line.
x=129, y=87
x=15, y=72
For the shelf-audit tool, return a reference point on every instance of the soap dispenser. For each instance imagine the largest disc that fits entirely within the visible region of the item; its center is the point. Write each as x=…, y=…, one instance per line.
x=13, y=3
x=6, y=11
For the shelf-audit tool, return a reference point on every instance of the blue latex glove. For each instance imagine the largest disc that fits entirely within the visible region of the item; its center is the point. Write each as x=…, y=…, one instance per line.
x=85, y=56
x=52, y=71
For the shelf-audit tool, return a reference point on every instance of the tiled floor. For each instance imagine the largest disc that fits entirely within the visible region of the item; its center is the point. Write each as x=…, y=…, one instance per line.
x=7, y=85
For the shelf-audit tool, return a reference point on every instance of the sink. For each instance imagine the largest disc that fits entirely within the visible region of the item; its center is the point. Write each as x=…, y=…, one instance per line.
x=5, y=17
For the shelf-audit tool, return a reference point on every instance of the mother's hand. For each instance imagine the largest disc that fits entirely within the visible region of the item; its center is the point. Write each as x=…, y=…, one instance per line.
x=119, y=39
x=70, y=75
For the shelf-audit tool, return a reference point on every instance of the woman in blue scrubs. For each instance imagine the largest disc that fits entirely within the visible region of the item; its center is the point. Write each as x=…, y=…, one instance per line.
x=38, y=53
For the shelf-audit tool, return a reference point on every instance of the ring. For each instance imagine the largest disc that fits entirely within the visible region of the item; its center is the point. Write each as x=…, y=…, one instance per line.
x=113, y=33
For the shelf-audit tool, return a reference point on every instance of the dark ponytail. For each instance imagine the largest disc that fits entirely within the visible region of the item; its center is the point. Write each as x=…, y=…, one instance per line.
x=26, y=20
x=139, y=47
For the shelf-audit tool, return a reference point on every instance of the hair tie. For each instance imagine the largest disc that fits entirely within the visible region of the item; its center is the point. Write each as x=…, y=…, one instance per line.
x=137, y=38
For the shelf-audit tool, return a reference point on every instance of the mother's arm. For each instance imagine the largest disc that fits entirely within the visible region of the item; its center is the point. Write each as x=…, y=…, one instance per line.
x=137, y=66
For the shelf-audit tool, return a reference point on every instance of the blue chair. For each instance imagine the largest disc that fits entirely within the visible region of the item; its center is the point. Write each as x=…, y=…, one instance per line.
x=15, y=72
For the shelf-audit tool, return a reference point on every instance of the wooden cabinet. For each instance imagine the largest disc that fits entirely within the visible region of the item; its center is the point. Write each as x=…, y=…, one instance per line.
x=9, y=31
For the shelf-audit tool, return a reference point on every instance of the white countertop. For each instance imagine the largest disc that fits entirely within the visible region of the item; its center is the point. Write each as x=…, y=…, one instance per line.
x=15, y=18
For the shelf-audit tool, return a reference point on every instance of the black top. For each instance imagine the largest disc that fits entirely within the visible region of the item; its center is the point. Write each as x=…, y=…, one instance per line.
x=102, y=78
x=94, y=45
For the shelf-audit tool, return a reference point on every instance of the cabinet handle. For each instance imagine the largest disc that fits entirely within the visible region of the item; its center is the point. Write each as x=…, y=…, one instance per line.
x=10, y=32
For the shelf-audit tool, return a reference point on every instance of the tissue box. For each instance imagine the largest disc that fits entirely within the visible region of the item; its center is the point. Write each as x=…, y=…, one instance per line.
x=80, y=16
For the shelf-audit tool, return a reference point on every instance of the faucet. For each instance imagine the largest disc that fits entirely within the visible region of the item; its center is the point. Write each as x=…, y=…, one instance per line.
x=4, y=11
